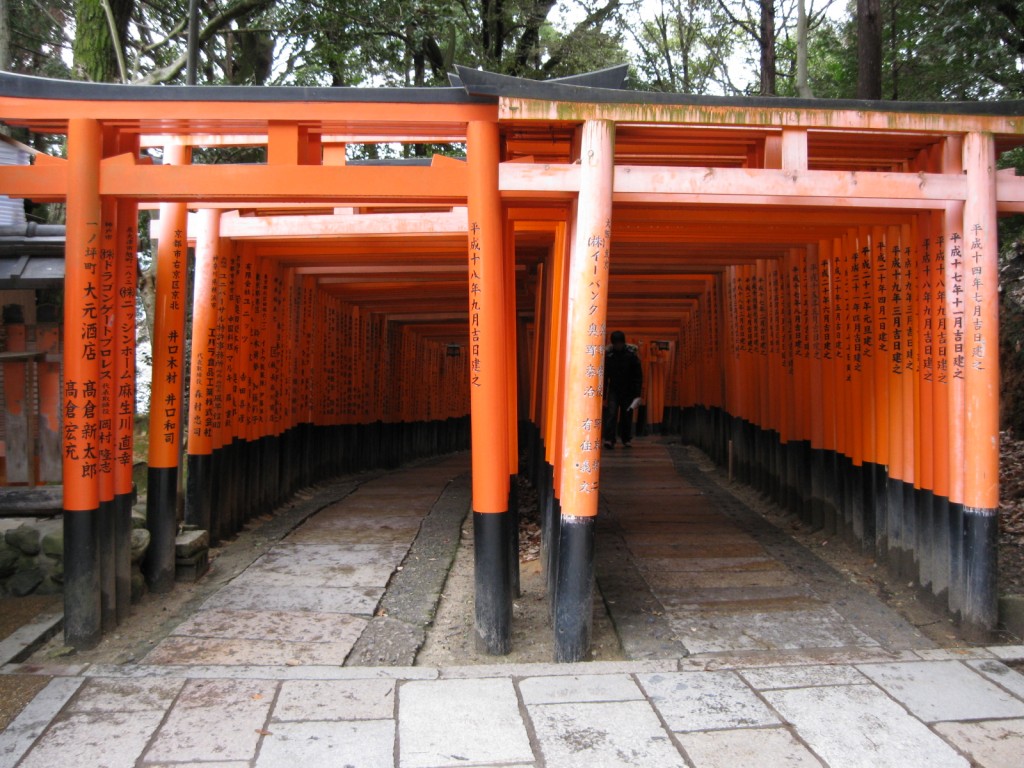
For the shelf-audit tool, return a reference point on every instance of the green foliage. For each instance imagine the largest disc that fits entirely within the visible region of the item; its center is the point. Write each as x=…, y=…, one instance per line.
x=38, y=39
x=685, y=46
x=938, y=50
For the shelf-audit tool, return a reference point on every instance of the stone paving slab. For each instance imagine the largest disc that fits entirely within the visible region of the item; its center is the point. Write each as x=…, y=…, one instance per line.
x=459, y=722
x=335, y=700
x=579, y=688
x=25, y=639
x=702, y=565
x=253, y=596
x=706, y=701
x=805, y=656
x=105, y=695
x=205, y=650
x=214, y=719
x=676, y=581
x=588, y=714
x=328, y=555
x=998, y=744
x=609, y=734
x=95, y=739
x=1008, y=652
x=1000, y=674
x=306, y=575
x=707, y=631
x=17, y=738
x=294, y=626
x=204, y=764
x=748, y=748
x=922, y=687
x=771, y=678
x=859, y=726
x=259, y=672
x=316, y=744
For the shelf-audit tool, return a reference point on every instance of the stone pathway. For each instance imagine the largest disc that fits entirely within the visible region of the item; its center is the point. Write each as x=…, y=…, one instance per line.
x=310, y=597
x=788, y=664
x=866, y=709
x=683, y=564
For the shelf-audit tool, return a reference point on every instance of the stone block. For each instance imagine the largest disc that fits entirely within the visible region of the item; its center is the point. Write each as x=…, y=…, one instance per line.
x=366, y=744
x=25, y=582
x=335, y=700
x=854, y=726
x=745, y=748
x=140, y=543
x=770, y=678
x=925, y=689
x=25, y=538
x=192, y=568
x=988, y=744
x=188, y=543
x=1011, y=614
x=214, y=719
x=94, y=738
x=460, y=722
x=52, y=543
x=619, y=734
x=579, y=688
x=9, y=557
x=700, y=702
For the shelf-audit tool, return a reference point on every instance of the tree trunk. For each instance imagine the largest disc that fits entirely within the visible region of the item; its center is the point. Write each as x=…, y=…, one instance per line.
x=869, y=49
x=767, y=42
x=5, y=36
x=803, y=89
x=94, y=48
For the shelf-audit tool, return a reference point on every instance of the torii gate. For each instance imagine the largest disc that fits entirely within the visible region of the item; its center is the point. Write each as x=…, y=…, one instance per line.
x=819, y=277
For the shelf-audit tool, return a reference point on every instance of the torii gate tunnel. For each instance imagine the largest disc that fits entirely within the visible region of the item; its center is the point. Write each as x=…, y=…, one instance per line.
x=812, y=285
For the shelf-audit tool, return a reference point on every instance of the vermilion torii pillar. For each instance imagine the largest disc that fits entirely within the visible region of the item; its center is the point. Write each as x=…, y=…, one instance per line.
x=126, y=276
x=488, y=334
x=981, y=367
x=79, y=398
x=166, y=407
x=205, y=356
x=584, y=390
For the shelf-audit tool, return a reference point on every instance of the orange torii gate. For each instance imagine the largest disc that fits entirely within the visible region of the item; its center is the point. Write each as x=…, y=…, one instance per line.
x=816, y=281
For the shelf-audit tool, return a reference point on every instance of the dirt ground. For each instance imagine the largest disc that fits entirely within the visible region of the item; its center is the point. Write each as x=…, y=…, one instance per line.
x=450, y=639
x=1011, y=515
x=15, y=612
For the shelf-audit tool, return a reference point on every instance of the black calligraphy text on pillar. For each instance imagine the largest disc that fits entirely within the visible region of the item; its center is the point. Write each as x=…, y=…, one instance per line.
x=475, y=308
x=958, y=311
x=589, y=435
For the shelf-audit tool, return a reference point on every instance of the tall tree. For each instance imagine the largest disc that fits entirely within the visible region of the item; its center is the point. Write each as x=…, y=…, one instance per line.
x=766, y=42
x=802, y=86
x=869, y=49
x=684, y=46
x=101, y=27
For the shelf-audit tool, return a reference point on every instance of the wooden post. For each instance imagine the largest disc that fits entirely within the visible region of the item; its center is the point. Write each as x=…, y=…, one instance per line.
x=105, y=433
x=955, y=344
x=126, y=275
x=82, y=627
x=166, y=407
x=584, y=386
x=488, y=335
x=205, y=348
x=981, y=366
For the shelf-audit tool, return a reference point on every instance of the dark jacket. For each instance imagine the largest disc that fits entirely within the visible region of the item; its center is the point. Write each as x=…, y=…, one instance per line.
x=623, y=374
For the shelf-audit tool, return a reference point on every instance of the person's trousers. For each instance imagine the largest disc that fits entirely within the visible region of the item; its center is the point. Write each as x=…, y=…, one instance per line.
x=617, y=418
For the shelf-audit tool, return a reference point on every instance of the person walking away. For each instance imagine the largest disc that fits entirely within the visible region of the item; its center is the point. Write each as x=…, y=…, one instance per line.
x=623, y=382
